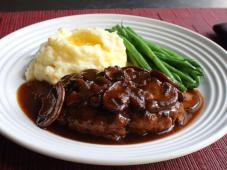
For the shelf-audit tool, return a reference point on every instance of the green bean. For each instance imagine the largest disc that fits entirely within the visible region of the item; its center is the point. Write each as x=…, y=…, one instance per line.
x=139, y=41
x=197, y=80
x=123, y=32
x=180, y=86
x=171, y=55
x=187, y=60
x=193, y=62
x=120, y=31
x=180, y=74
x=153, y=46
x=173, y=61
x=157, y=48
x=168, y=52
x=176, y=56
x=177, y=77
x=132, y=59
x=136, y=55
x=153, y=66
x=187, y=70
x=109, y=30
x=179, y=64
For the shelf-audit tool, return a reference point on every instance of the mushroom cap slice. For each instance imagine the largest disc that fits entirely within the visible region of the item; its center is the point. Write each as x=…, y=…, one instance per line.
x=51, y=106
x=116, y=98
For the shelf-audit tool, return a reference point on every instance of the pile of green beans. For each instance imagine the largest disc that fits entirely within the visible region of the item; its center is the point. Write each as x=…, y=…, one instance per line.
x=184, y=72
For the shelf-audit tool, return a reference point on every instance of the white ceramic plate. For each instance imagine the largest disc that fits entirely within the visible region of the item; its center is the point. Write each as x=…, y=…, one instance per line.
x=16, y=52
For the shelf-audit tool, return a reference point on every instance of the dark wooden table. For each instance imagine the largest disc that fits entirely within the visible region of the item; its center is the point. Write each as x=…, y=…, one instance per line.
x=13, y=156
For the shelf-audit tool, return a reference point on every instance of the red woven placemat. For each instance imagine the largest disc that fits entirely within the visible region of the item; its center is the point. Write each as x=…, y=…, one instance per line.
x=13, y=156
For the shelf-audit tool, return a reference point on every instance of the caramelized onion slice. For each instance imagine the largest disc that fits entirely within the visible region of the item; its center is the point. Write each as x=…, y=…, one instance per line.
x=51, y=106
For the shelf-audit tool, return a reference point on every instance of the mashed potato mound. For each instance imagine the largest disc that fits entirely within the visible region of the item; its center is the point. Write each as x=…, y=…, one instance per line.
x=73, y=51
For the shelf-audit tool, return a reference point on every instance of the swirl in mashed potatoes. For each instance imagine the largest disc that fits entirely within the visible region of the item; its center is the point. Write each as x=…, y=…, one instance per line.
x=73, y=51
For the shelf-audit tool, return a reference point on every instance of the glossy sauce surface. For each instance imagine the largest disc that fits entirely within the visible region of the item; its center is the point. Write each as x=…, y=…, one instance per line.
x=28, y=99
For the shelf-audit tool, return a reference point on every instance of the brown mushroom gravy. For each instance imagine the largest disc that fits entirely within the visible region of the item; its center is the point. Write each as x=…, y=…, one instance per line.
x=117, y=106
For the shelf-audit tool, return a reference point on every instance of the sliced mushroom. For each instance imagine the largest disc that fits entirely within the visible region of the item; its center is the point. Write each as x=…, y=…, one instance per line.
x=89, y=74
x=66, y=79
x=114, y=73
x=69, y=83
x=191, y=101
x=134, y=68
x=102, y=81
x=137, y=99
x=51, y=106
x=116, y=98
x=75, y=98
x=164, y=95
x=162, y=77
x=139, y=76
x=170, y=94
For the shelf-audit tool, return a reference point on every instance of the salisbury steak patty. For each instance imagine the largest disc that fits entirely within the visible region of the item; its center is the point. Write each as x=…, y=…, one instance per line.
x=98, y=122
x=117, y=101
